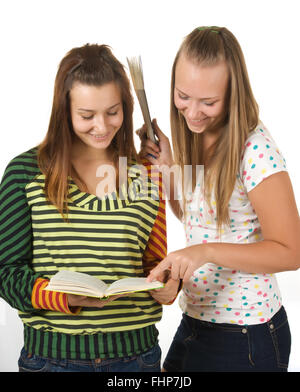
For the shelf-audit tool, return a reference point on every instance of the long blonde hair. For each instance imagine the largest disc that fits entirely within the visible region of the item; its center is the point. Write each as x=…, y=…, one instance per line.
x=208, y=46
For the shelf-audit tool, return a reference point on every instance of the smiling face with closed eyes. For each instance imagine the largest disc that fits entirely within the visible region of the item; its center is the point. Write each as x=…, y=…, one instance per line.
x=200, y=92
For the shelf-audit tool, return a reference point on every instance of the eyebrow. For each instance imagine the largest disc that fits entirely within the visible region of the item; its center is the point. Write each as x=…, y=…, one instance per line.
x=92, y=111
x=202, y=99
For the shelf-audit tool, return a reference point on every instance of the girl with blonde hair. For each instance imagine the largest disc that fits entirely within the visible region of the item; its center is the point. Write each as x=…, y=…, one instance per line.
x=241, y=221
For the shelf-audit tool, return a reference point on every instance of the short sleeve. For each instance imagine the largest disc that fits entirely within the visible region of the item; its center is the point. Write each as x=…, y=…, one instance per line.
x=261, y=158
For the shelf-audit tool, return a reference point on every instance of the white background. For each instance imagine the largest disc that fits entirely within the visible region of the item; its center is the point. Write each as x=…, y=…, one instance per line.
x=35, y=35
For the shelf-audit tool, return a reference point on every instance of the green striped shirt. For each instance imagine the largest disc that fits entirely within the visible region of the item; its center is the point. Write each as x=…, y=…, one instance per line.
x=105, y=238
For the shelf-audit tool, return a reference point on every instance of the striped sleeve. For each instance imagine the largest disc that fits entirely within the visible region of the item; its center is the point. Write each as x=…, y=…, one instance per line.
x=50, y=300
x=156, y=249
x=16, y=276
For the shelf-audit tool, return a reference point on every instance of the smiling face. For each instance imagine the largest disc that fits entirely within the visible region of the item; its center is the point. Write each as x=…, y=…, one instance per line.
x=96, y=113
x=200, y=92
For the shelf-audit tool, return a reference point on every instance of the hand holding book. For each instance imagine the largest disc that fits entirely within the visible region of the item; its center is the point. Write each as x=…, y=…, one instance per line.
x=80, y=301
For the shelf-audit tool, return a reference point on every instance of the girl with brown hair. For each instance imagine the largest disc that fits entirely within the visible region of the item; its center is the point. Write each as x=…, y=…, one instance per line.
x=241, y=220
x=56, y=214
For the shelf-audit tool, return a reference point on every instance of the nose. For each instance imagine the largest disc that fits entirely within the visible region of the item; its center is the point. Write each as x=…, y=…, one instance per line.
x=193, y=111
x=99, y=123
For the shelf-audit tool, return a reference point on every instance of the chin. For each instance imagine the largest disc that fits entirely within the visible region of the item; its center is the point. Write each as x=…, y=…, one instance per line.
x=99, y=144
x=194, y=129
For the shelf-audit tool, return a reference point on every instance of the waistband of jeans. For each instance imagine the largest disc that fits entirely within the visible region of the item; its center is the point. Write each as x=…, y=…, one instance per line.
x=279, y=318
x=100, y=345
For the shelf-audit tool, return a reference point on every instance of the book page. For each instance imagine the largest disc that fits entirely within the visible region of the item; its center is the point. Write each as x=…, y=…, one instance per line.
x=77, y=282
x=128, y=285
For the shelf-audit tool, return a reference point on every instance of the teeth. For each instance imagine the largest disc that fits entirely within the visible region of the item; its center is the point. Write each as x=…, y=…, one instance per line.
x=98, y=136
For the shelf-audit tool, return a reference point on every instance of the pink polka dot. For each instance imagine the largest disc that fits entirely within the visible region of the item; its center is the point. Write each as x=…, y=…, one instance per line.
x=241, y=322
x=248, y=144
x=237, y=313
x=260, y=155
x=248, y=178
x=262, y=320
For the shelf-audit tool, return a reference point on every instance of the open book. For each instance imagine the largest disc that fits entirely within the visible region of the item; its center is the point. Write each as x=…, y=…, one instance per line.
x=79, y=283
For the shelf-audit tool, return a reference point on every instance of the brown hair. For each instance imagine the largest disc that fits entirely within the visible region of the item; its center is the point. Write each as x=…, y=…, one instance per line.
x=93, y=65
x=208, y=46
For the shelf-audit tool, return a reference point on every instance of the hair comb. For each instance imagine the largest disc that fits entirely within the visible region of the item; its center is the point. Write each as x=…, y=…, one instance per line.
x=211, y=28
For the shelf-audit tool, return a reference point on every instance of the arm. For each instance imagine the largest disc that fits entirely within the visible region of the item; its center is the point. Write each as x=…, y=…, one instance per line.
x=20, y=285
x=162, y=156
x=274, y=203
x=16, y=277
x=156, y=250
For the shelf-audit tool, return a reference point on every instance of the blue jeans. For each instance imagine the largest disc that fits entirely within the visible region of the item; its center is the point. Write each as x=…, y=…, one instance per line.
x=201, y=346
x=145, y=362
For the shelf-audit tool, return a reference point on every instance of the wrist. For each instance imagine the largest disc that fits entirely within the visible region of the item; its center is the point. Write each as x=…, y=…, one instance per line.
x=166, y=166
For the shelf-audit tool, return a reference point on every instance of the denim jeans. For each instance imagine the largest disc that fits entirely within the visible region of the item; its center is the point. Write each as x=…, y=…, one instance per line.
x=148, y=361
x=201, y=346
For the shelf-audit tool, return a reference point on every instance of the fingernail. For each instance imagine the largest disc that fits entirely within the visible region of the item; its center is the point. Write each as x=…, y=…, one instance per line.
x=150, y=155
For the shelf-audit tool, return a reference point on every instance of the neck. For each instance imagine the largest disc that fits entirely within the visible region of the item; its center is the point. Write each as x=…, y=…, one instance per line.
x=86, y=153
x=210, y=138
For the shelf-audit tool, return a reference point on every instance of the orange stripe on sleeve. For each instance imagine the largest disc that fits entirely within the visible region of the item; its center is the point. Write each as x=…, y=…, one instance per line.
x=156, y=251
x=50, y=300
x=160, y=235
x=36, y=297
x=58, y=298
x=44, y=304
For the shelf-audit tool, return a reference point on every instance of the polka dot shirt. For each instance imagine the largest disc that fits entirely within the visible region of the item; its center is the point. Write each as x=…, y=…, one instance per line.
x=219, y=294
